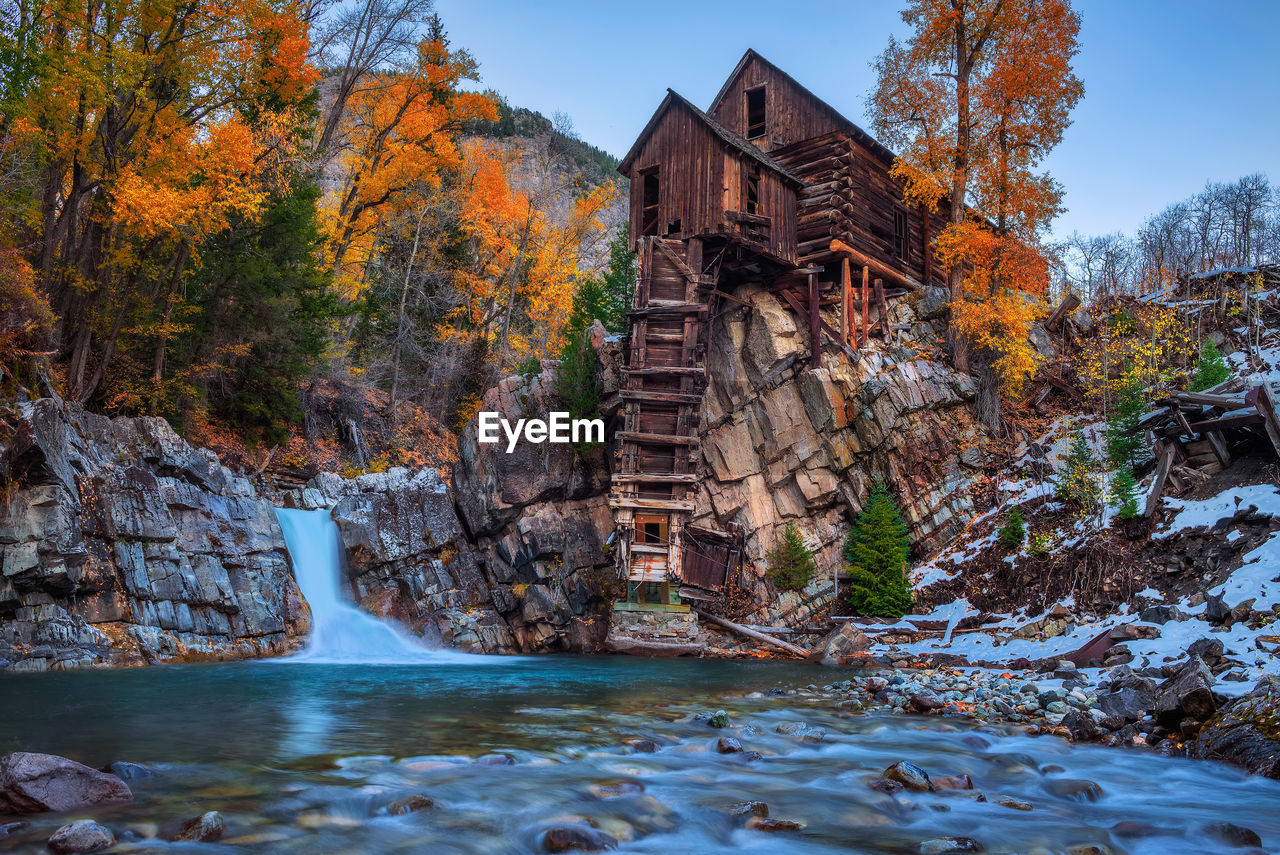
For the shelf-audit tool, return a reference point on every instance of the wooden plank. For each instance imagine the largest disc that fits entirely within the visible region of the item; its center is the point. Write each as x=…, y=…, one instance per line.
x=1231, y=420
x=669, y=309
x=1267, y=409
x=655, y=438
x=657, y=477
x=659, y=397
x=1068, y=305
x=1230, y=402
x=657, y=371
x=1162, y=474
x=652, y=504
x=1219, y=445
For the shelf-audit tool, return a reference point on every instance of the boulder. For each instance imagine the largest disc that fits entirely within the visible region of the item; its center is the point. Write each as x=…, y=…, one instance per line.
x=910, y=776
x=1127, y=702
x=576, y=838
x=1188, y=693
x=83, y=835
x=1246, y=731
x=842, y=644
x=35, y=783
x=1162, y=614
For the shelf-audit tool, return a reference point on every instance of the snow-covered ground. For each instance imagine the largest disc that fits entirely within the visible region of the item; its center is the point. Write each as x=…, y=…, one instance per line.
x=1257, y=578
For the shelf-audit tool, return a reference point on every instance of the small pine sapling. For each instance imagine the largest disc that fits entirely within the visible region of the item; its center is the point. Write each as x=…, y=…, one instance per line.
x=1014, y=530
x=1078, y=483
x=876, y=553
x=791, y=563
x=1211, y=368
x=1124, y=494
x=1126, y=445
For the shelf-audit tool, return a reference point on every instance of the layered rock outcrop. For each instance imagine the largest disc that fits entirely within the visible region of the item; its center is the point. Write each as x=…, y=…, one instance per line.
x=123, y=544
x=783, y=440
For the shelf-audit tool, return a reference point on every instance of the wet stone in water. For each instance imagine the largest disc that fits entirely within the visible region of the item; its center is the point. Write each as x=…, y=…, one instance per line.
x=762, y=824
x=410, y=804
x=910, y=776
x=81, y=836
x=615, y=789
x=577, y=838
x=759, y=809
x=204, y=828
x=1232, y=834
x=946, y=845
x=1070, y=788
x=728, y=745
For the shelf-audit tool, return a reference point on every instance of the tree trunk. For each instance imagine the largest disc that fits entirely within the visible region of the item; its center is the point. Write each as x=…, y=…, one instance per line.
x=157, y=362
x=959, y=187
x=404, y=294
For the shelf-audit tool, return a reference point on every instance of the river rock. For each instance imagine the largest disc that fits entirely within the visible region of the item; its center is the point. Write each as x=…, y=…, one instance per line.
x=410, y=804
x=576, y=838
x=1188, y=693
x=753, y=808
x=728, y=745
x=1075, y=789
x=83, y=835
x=953, y=782
x=766, y=824
x=35, y=783
x=843, y=644
x=910, y=776
x=946, y=845
x=1232, y=834
x=1246, y=731
x=205, y=828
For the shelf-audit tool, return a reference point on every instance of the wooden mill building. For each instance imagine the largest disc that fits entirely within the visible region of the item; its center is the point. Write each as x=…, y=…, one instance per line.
x=773, y=186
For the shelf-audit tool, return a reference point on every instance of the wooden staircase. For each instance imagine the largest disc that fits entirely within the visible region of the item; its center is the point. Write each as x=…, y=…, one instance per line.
x=662, y=386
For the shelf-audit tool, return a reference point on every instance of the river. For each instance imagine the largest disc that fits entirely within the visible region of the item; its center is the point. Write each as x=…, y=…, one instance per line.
x=305, y=757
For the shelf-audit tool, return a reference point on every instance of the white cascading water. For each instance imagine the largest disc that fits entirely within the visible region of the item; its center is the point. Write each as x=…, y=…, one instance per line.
x=340, y=632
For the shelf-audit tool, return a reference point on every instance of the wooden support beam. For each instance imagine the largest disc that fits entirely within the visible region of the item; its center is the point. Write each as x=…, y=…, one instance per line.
x=1166, y=456
x=866, y=305
x=815, y=319
x=846, y=300
x=659, y=370
x=883, y=308
x=669, y=309
x=1267, y=409
x=1219, y=445
x=881, y=269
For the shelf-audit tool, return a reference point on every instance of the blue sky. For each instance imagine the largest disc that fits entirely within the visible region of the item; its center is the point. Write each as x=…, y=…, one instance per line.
x=1177, y=92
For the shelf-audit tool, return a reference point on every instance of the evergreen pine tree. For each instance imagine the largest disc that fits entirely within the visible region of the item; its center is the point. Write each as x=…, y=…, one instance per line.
x=1124, y=490
x=1014, y=530
x=1125, y=444
x=1078, y=483
x=1211, y=367
x=876, y=552
x=791, y=563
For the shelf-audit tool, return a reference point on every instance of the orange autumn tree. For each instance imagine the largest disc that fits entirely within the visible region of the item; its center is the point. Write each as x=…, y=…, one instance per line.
x=398, y=131
x=154, y=123
x=973, y=100
x=526, y=259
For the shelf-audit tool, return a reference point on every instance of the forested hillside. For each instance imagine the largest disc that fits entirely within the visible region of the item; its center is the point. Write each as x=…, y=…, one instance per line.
x=308, y=232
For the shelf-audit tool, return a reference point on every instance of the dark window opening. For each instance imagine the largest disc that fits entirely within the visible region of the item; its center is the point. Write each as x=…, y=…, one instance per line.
x=653, y=532
x=756, y=126
x=649, y=202
x=673, y=227
x=900, y=235
x=753, y=190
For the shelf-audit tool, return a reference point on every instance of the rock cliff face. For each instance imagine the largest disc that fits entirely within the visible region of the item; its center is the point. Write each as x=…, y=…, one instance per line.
x=122, y=544
x=782, y=440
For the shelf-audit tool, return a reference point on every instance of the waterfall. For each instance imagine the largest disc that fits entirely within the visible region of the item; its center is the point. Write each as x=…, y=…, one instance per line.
x=340, y=632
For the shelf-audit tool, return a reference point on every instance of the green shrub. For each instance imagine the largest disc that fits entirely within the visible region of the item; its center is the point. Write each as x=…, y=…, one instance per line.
x=1211, y=368
x=1040, y=544
x=1014, y=530
x=791, y=563
x=876, y=552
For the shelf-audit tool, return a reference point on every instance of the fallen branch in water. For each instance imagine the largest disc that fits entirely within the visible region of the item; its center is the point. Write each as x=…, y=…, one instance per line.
x=751, y=633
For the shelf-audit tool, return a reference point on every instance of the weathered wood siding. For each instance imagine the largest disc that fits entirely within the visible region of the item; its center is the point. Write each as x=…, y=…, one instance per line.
x=791, y=114
x=699, y=178
x=690, y=162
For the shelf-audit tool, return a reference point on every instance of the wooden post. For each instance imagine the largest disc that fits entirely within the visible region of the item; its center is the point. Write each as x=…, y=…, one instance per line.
x=815, y=335
x=883, y=308
x=846, y=300
x=866, y=304
x=925, y=251
x=1165, y=455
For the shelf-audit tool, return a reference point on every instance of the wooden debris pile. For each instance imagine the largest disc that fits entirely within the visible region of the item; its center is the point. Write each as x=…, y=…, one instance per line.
x=1195, y=431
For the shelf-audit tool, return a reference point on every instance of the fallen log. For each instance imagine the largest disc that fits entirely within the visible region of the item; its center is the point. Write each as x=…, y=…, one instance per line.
x=751, y=633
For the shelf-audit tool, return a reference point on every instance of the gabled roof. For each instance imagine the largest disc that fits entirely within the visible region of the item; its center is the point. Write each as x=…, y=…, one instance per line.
x=870, y=142
x=727, y=136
